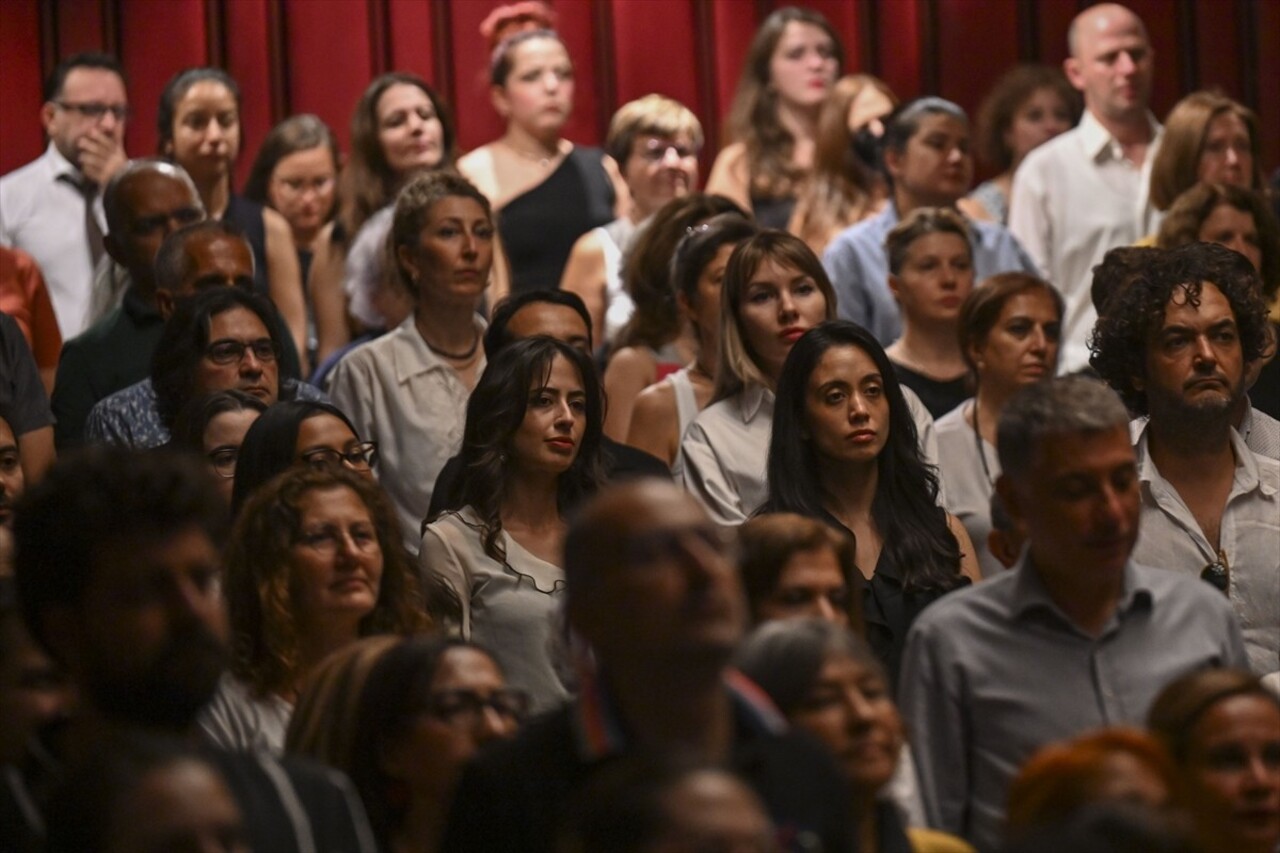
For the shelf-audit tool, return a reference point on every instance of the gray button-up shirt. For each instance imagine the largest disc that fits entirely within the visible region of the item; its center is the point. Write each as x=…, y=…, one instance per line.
x=996, y=671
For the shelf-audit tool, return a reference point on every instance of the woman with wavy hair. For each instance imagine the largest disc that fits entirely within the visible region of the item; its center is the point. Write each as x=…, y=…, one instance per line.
x=315, y=563
x=1208, y=138
x=791, y=65
x=844, y=449
x=531, y=452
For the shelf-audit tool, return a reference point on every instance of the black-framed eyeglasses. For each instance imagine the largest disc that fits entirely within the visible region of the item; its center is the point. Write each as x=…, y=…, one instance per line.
x=223, y=460
x=231, y=352
x=1218, y=573
x=94, y=110
x=467, y=706
x=145, y=225
x=358, y=457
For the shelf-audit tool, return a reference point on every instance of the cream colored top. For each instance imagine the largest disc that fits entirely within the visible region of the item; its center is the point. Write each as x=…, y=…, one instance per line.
x=400, y=394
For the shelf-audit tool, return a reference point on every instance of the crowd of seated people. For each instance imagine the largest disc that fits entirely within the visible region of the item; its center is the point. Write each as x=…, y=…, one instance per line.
x=533, y=498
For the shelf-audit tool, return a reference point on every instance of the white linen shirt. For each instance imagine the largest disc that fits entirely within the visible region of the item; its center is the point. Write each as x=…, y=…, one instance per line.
x=44, y=216
x=400, y=394
x=968, y=484
x=1249, y=536
x=1074, y=198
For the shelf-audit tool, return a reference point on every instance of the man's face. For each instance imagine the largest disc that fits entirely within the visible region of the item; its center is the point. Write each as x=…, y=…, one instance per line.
x=555, y=321
x=85, y=90
x=1195, y=367
x=1078, y=502
x=217, y=260
x=12, y=480
x=220, y=369
x=148, y=641
x=1112, y=63
x=154, y=205
x=666, y=590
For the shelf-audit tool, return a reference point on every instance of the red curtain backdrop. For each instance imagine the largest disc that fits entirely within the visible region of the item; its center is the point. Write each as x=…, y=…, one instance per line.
x=317, y=56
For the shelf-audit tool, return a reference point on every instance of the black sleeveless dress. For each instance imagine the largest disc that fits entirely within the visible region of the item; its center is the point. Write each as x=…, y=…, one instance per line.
x=539, y=228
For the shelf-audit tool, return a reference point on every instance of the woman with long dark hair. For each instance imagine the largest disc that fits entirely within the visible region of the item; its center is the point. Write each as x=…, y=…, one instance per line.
x=531, y=452
x=844, y=449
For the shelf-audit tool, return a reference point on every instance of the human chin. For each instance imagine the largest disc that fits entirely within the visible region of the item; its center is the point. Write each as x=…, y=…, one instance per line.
x=171, y=689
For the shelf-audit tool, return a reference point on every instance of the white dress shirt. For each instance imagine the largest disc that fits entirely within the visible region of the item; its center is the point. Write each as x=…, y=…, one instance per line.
x=1073, y=198
x=1249, y=536
x=44, y=216
x=400, y=394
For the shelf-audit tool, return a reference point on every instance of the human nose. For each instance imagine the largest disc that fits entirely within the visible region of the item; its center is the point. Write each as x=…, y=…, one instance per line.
x=491, y=725
x=786, y=304
x=468, y=244
x=1205, y=357
x=1039, y=340
x=250, y=364
x=824, y=609
x=1125, y=63
x=671, y=157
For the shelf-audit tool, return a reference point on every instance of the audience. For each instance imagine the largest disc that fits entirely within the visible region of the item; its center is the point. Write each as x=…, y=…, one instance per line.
x=24, y=402
x=25, y=297
x=531, y=453
x=1208, y=139
x=793, y=566
x=1008, y=337
x=787, y=75
x=655, y=142
x=314, y=563
x=1076, y=636
x=928, y=164
x=214, y=426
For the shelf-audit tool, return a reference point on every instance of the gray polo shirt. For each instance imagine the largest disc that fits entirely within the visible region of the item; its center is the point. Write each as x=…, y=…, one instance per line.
x=994, y=672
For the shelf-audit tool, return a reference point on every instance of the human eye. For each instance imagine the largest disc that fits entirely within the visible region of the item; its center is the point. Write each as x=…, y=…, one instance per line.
x=364, y=534
x=447, y=231
x=578, y=405
x=1176, y=342
x=319, y=537
x=804, y=287
x=394, y=119
x=195, y=121
x=822, y=699
x=206, y=578
x=759, y=295
x=426, y=113
x=1226, y=334
x=873, y=389
x=834, y=396
x=1019, y=328
x=228, y=119
x=1228, y=757
x=540, y=399
x=565, y=72
x=223, y=352
x=1124, y=479
x=484, y=231
x=9, y=461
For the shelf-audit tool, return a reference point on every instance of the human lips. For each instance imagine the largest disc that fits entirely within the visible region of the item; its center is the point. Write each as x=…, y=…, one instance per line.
x=791, y=334
x=561, y=443
x=862, y=436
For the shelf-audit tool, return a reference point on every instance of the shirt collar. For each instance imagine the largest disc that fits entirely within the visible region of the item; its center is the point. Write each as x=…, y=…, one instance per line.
x=1098, y=143
x=412, y=356
x=1246, y=477
x=60, y=165
x=1031, y=596
x=600, y=732
x=754, y=399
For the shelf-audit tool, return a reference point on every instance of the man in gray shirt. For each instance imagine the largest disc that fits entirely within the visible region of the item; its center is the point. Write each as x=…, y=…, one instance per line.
x=1075, y=637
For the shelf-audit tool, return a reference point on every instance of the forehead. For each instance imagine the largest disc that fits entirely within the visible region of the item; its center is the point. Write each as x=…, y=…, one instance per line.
x=547, y=318
x=401, y=96
x=239, y=323
x=461, y=667
x=938, y=242
x=140, y=554
x=93, y=84
x=1109, y=29
x=801, y=32
x=331, y=500
x=145, y=189
x=932, y=123
x=6, y=433
x=537, y=50
x=456, y=207
x=1090, y=454
x=207, y=93
x=650, y=509
x=845, y=363
x=213, y=252
x=1213, y=306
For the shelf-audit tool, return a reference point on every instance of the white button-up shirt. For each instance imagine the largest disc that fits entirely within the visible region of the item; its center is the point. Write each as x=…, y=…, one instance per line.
x=1074, y=198
x=44, y=216
x=1249, y=536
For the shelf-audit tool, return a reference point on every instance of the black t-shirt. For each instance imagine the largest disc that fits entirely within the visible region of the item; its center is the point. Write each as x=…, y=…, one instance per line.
x=22, y=396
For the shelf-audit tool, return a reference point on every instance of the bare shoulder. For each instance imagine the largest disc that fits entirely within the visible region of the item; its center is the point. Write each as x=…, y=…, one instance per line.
x=478, y=167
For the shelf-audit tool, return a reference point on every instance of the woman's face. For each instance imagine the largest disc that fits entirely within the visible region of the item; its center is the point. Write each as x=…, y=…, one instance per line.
x=779, y=304
x=868, y=108
x=659, y=169
x=1022, y=346
x=936, y=276
x=468, y=706
x=223, y=436
x=810, y=585
x=550, y=436
x=803, y=67
x=206, y=131
x=846, y=410
x=850, y=709
x=1226, y=155
x=1235, y=229
x=705, y=312
x=455, y=252
x=325, y=441
x=409, y=130
x=1041, y=117
x=1232, y=774
x=302, y=188
x=336, y=560
x=537, y=96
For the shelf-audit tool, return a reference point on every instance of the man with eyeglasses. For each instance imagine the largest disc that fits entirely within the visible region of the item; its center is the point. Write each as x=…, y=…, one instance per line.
x=145, y=202
x=652, y=589
x=222, y=338
x=1076, y=636
x=1178, y=343
x=52, y=208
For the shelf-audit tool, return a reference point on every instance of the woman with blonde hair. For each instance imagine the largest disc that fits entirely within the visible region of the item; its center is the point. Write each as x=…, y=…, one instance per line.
x=791, y=65
x=845, y=186
x=1208, y=138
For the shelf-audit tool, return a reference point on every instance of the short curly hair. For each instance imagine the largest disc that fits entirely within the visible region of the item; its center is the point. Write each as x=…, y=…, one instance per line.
x=1136, y=312
x=260, y=586
x=1189, y=211
x=1001, y=105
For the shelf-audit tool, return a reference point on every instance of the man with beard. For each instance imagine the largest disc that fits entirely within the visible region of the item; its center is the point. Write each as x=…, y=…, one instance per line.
x=1176, y=343
x=118, y=575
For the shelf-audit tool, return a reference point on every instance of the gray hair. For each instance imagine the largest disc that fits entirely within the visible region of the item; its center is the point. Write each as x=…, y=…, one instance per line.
x=784, y=657
x=904, y=124
x=111, y=201
x=171, y=258
x=1068, y=404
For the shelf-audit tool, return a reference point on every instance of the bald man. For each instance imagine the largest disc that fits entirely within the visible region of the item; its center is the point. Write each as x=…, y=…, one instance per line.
x=1085, y=191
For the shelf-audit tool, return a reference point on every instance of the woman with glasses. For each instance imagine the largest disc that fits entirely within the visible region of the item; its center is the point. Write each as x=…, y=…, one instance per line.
x=300, y=433
x=214, y=426
x=401, y=718
x=314, y=564
x=531, y=451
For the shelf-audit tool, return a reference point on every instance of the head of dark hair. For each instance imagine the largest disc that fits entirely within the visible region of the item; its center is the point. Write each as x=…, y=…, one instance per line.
x=99, y=499
x=90, y=59
x=414, y=204
x=1135, y=314
x=982, y=308
x=699, y=246
x=194, y=418
x=186, y=335
x=173, y=264
x=905, y=123
x=1119, y=266
x=494, y=413
x=176, y=89
x=1182, y=703
x=497, y=336
x=294, y=134
x=1189, y=211
x=270, y=444
x=1007, y=95
x=913, y=527
x=767, y=543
